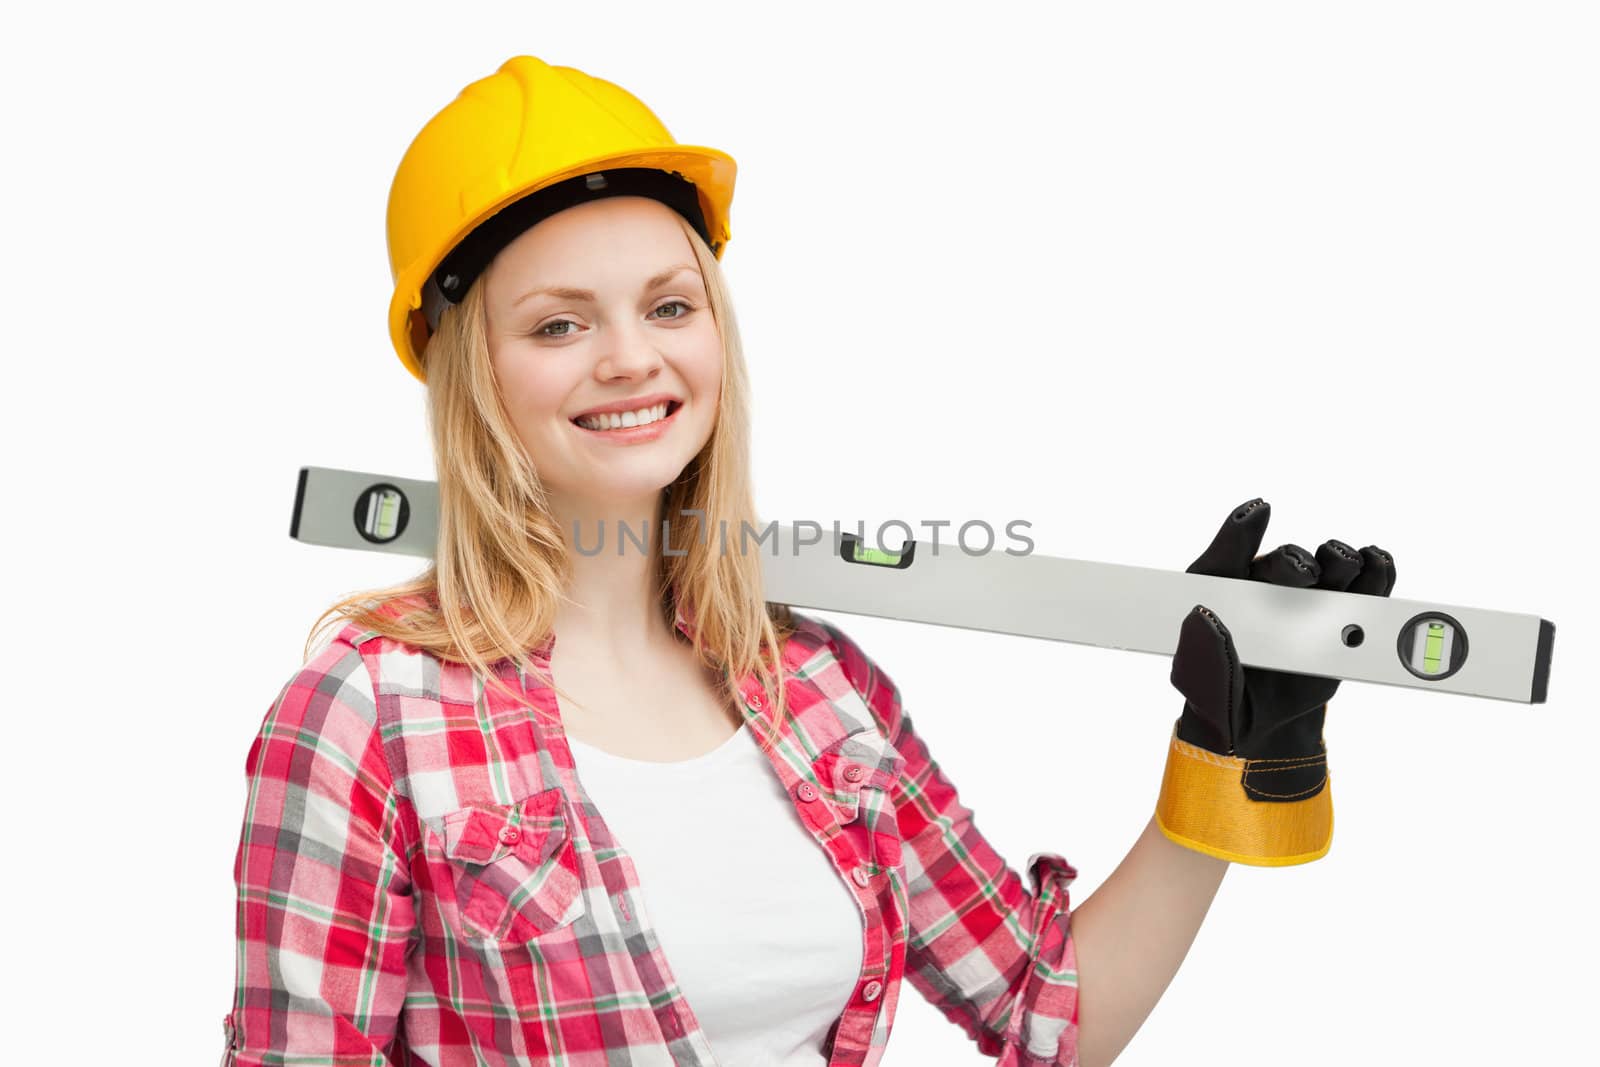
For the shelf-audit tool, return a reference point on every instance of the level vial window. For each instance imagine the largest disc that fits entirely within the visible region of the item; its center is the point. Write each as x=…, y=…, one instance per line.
x=381, y=513
x=853, y=550
x=1432, y=645
x=863, y=554
x=1430, y=652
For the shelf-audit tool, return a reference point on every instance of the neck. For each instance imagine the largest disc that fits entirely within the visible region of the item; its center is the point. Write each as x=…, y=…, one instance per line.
x=611, y=606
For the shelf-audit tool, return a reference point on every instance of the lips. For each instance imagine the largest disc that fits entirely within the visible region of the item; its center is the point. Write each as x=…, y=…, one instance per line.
x=636, y=434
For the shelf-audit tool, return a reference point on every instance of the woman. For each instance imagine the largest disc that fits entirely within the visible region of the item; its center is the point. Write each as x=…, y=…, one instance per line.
x=465, y=843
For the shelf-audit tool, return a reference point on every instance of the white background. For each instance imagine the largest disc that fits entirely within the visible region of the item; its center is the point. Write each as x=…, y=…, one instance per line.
x=1113, y=270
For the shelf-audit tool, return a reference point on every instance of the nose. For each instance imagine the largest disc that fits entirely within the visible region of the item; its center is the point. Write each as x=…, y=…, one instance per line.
x=627, y=354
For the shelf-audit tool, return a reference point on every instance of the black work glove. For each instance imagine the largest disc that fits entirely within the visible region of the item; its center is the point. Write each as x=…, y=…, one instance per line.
x=1263, y=728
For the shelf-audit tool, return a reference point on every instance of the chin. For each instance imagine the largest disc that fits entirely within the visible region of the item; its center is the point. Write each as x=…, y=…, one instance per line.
x=629, y=490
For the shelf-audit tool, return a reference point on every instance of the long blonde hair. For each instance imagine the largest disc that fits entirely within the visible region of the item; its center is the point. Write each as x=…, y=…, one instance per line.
x=502, y=560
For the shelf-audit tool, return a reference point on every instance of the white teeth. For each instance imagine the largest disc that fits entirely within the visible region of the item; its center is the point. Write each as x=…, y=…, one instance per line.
x=613, y=420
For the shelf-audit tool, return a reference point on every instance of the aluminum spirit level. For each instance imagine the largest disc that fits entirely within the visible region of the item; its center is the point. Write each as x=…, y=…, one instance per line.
x=1350, y=636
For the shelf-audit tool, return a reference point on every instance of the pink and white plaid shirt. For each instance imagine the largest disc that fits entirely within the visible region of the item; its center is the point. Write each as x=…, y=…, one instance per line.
x=422, y=878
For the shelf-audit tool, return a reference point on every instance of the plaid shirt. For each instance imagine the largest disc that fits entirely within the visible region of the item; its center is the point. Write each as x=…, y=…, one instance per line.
x=422, y=879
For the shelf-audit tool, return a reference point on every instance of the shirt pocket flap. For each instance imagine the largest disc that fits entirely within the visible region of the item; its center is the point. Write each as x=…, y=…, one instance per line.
x=863, y=759
x=857, y=774
x=514, y=867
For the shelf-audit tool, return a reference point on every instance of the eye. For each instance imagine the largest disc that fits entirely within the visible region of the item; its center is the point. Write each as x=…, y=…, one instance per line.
x=543, y=331
x=687, y=307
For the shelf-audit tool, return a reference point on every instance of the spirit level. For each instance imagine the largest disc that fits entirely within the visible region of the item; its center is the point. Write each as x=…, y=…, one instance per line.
x=1350, y=636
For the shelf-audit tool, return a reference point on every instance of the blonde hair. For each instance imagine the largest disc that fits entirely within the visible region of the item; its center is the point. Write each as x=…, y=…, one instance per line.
x=502, y=561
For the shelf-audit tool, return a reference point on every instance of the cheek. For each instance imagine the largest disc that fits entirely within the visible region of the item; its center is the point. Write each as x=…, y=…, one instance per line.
x=533, y=390
x=703, y=366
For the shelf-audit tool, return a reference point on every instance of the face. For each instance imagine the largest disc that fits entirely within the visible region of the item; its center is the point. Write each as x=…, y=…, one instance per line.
x=601, y=308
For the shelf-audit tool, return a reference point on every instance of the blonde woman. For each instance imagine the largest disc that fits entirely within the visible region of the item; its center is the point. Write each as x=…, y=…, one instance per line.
x=696, y=829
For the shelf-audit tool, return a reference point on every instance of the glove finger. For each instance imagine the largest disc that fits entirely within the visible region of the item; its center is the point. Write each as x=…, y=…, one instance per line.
x=1286, y=565
x=1340, y=564
x=1205, y=669
x=1235, y=544
x=1377, y=573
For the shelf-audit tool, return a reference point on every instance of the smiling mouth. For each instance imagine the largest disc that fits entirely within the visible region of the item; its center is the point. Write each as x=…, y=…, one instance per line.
x=627, y=420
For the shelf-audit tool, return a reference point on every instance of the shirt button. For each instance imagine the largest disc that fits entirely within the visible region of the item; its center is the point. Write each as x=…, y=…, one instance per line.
x=871, y=991
x=806, y=791
x=860, y=876
x=755, y=700
x=510, y=835
x=853, y=772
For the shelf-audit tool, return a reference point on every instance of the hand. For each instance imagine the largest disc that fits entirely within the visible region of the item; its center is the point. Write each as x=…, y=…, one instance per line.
x=1272, y=720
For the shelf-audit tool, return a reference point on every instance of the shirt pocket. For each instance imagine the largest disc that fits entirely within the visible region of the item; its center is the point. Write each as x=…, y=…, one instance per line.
x=514, y=867
x=857, y=774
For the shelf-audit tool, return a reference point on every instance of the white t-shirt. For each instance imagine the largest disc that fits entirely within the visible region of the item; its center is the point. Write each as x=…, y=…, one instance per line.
x=762, y=935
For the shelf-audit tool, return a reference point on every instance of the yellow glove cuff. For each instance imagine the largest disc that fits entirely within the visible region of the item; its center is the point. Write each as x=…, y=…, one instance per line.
x=1203, y=806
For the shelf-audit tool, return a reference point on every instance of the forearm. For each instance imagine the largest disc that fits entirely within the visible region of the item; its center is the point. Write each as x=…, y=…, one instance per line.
x=1132, y=933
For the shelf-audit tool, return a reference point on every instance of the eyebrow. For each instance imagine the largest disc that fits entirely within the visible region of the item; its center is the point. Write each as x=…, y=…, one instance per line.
x=567, y=293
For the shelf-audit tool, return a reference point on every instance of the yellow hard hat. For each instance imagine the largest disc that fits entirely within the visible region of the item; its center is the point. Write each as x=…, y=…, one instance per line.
x=513, y=148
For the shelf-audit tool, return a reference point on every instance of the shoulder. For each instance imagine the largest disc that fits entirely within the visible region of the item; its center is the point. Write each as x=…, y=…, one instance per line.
x=835, y=652
x=326, y=710
x=395, y=665
x=338, y=688
x=336, y=673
